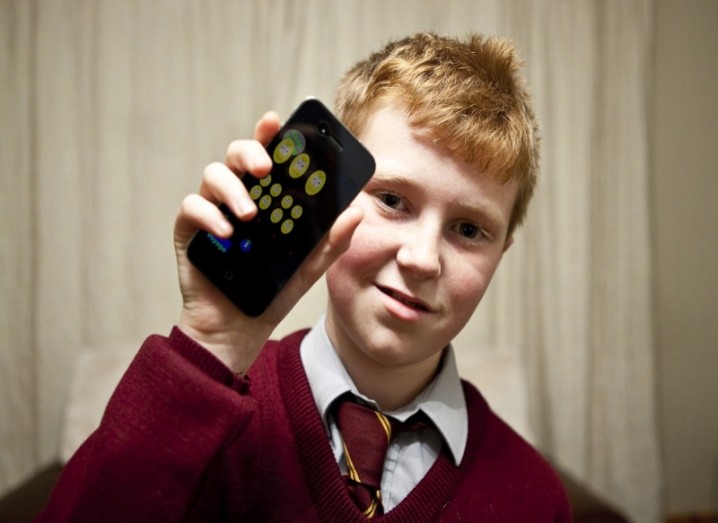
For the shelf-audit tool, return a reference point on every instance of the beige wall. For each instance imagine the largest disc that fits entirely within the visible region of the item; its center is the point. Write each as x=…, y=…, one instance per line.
x=685, y=215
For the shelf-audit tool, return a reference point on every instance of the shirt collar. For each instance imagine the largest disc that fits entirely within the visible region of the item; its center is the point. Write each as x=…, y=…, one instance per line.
x=442, y=400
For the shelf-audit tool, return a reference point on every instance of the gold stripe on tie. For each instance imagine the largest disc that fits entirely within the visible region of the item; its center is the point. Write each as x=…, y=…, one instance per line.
x=370, y=511
x=385, y=424
x=353, y=474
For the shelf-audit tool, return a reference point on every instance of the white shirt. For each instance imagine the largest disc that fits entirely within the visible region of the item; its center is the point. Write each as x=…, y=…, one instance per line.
x=410, y=454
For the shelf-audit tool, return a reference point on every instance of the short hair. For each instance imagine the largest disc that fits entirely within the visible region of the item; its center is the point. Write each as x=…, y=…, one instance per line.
x=469, y=95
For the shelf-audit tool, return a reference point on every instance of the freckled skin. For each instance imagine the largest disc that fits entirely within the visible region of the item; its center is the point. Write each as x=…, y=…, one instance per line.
x=415, y=271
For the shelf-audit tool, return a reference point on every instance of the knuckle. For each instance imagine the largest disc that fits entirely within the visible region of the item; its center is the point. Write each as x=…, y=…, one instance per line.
x=235, y=149
x=211, y=172
x=187, y=204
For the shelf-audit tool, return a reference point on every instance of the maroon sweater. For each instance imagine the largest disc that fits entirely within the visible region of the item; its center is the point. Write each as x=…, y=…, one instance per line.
x=183, y=439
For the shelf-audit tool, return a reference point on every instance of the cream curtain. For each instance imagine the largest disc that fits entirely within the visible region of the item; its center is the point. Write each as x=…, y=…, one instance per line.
x=111, y=109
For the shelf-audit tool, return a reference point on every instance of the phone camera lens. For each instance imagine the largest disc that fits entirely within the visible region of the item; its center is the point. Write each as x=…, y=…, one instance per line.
x=323, y=129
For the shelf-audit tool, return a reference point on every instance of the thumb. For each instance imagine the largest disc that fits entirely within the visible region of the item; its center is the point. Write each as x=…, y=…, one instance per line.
x=331, y=247
x=336, y=243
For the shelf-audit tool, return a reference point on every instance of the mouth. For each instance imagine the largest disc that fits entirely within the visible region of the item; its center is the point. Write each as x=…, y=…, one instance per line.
x=406, y=300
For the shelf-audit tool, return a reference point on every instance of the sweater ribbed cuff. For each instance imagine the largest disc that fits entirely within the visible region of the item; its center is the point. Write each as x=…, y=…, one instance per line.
x=207, y=362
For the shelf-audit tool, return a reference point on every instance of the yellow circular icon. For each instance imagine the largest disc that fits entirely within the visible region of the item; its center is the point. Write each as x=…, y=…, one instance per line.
x=299, y=165
x=297, y=212
x=287, y=201
x=283, y=150
x=275, y=190
x=264, y=182
x=265, y=201
x=276, y=215
x=315, y=182
x=255, y=192
x=287, y=226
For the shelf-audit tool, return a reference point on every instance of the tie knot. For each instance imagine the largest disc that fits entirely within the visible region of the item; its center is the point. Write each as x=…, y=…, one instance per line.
x=366, y=433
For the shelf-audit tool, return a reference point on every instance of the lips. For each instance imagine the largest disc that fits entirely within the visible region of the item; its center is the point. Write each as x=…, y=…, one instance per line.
x=405, y=299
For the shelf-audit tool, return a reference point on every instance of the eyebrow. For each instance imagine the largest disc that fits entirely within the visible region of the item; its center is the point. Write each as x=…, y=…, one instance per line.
x=488, y=213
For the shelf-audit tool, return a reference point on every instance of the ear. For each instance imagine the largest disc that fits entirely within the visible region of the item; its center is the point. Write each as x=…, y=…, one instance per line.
x=508, y=243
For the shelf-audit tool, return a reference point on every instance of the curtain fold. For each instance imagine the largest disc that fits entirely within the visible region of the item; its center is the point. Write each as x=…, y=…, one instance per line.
x=18, y=397
x=110, y=110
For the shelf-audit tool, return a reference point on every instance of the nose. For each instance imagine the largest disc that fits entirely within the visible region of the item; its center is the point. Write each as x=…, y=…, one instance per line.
x=420, y=251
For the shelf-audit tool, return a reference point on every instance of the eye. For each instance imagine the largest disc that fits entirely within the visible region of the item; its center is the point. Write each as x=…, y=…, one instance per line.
x=390, y=200
x=469, y=230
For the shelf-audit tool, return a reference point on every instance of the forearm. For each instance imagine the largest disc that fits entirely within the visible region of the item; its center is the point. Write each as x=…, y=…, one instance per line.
x=173, y=412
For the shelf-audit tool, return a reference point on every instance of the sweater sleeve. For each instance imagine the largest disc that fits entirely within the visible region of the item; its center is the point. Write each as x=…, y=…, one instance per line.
x=156, y=453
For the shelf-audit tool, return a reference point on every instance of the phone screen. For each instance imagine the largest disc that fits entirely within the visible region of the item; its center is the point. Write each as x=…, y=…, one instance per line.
x=318, y=169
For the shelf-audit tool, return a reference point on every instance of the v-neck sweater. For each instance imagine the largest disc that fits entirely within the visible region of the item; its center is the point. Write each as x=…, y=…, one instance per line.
x=185, y=439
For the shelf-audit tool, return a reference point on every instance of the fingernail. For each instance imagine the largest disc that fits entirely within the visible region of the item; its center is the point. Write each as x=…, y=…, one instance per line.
x=224, y=228
x=245, y=207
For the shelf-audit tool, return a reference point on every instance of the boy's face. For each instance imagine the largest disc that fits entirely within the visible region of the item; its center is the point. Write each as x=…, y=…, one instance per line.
x=433, y=234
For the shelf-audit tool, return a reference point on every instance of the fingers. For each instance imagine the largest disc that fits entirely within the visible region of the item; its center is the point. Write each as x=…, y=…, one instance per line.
x=267, y=127
x=248, y=156
x=221, y=183
x=197, y=212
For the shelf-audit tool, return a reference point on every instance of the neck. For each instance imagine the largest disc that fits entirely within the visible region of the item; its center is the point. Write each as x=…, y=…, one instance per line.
x=391, y=385
x=392, y=389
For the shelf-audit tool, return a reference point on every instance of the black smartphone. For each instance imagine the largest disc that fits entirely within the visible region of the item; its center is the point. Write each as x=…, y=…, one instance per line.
x=318, y=168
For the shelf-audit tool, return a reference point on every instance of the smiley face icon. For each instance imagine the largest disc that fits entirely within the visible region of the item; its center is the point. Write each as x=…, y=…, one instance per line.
x=265, y=201
x=299, y=165
x=297, y=212
x=276, y=215
x=275, y=190
x=287, y=226
x=283, y=150
x=255, y=192
x=264, y=182
x=315, y=182
x=287, y=201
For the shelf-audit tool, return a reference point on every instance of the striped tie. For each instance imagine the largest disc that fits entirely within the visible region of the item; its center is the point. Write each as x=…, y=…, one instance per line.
x=366, y=434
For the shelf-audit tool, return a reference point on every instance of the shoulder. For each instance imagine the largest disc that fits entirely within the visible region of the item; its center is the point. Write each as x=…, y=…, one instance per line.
x=513, y=465
x=490, y=434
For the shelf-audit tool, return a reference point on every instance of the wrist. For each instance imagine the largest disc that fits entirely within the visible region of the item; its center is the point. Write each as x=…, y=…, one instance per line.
x=236, y=346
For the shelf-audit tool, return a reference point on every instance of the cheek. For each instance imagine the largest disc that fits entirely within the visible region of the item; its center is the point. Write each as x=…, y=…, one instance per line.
x=468, y=291
x=357, y=267
x=468, y=286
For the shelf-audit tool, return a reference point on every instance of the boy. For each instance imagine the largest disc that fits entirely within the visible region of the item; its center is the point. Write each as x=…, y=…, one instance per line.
x=215, y=422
